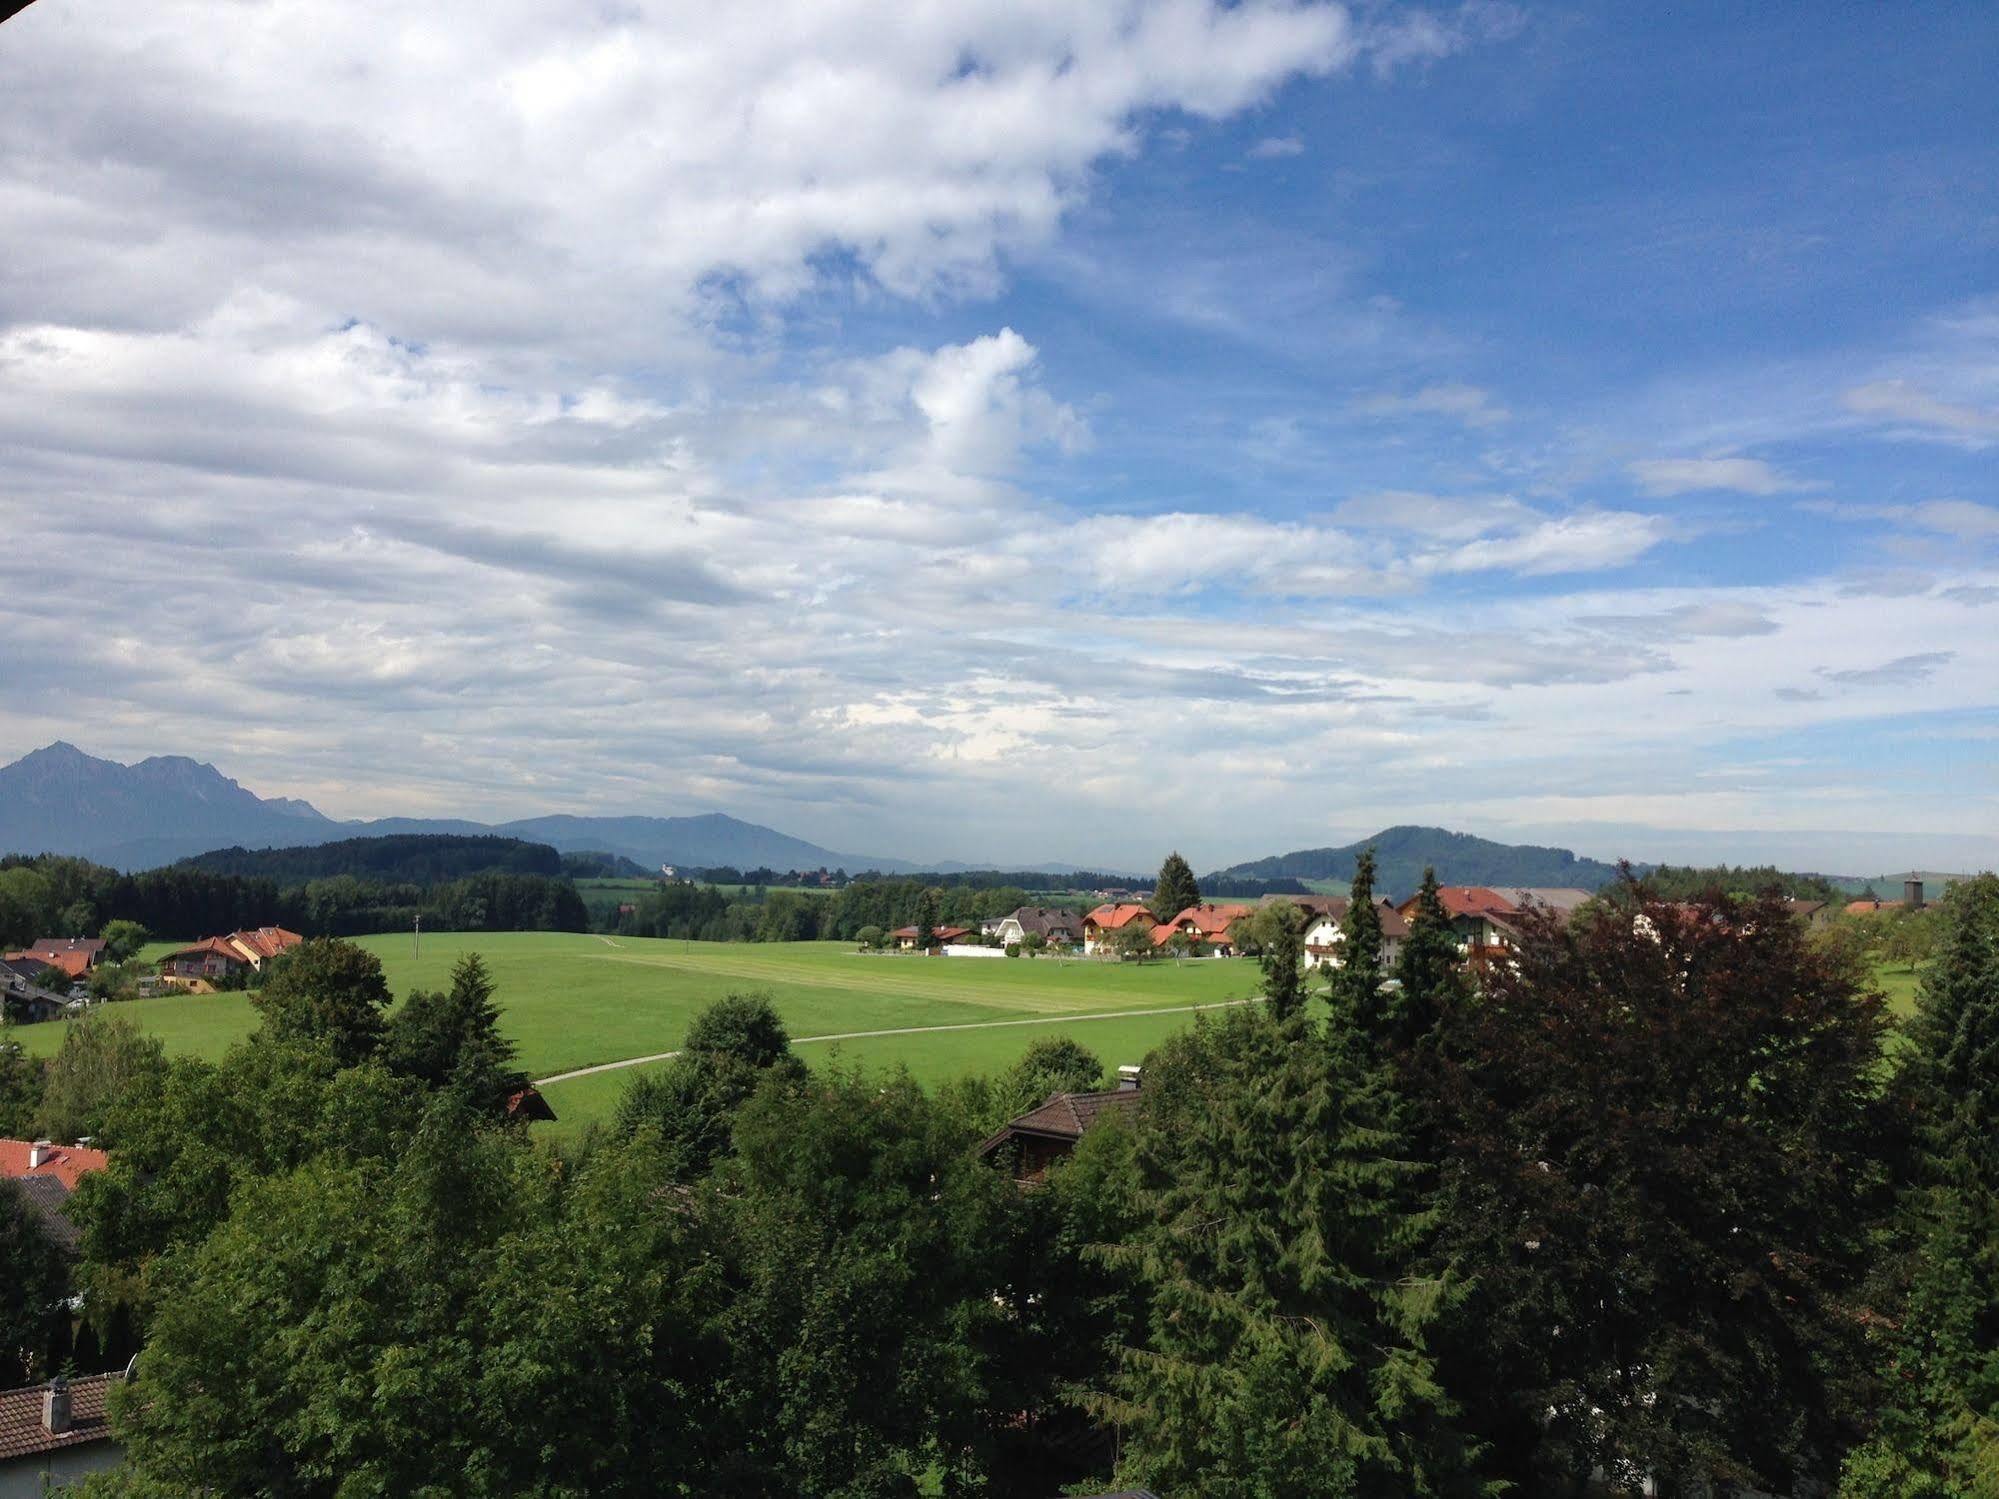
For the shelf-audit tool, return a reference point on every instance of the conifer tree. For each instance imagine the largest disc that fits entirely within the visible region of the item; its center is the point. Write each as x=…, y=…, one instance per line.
x=1431, y=970
x=926, y=920
x=1285, y=1353
x=1356, y=983
x=1283, y=959
x=1938, y=1436
x=1175, y=889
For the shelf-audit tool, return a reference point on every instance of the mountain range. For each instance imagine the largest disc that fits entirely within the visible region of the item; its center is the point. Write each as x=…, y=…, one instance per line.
x=61, y=800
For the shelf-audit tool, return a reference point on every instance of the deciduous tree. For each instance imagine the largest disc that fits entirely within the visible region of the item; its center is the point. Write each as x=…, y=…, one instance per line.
x=326, y=990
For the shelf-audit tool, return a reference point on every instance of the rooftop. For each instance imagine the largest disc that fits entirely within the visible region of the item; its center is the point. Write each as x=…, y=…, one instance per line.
x=68, y=1163
x=22, y=1433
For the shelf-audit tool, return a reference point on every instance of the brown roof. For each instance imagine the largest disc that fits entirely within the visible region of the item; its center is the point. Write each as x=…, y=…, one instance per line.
x=73, y=964
x=1046, y=920
x=1393, y=923
x=265, y=941
x=527, y=1103
x=22, y=1433
x=220, y=946
x=45, y=948
x=1064, y=1116
x=71, y=1163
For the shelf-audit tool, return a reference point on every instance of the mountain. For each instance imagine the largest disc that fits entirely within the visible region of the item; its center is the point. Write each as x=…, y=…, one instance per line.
x=1402, y=853
x=61, y=800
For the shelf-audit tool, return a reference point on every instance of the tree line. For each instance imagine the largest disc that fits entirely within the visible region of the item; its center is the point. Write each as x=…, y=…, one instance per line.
x=1664, y=1203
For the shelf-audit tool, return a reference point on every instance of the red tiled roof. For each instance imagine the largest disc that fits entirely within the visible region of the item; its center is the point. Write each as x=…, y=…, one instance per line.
x=218, y=945
x=1468, y=900
x=1870, y=907
x=1210, y=921
x=68, y=1163
x=48, y=948
x=22, y=1433
x=937, y=933
x=266, y=941
x=1110, y=917
x=70, y=964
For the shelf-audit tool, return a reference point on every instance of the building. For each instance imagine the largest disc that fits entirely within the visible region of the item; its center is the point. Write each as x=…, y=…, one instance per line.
x=1036, y=1140
x=1563, y=900
x=1813, y=913
x=1104, y=923
x=217, y=958
x=46, y=1174
x=1324, y=932
x=527, y=1103
x=1483, y=921
x=904, y=937
x=1056, y=928
x=74, y=956
x=1207, y=924
x=53, y=1435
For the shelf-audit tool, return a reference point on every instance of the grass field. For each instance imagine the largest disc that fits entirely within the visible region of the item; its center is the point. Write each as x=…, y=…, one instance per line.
x=571, y=1000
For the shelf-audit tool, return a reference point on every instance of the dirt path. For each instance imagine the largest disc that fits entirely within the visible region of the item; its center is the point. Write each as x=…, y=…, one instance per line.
x=910, y=1030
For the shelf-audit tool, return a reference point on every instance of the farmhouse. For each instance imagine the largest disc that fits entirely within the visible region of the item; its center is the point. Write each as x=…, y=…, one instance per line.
x=1108, y=920
x=1323, y=933
x=1056, y=928
x=1034, y=1141
x=215, y=958
x=904, y=937
x=1207, y=924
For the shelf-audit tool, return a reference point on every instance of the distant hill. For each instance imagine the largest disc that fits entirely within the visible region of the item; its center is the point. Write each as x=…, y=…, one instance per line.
x=415, y=858
x=61, y=800
x=1402, y=853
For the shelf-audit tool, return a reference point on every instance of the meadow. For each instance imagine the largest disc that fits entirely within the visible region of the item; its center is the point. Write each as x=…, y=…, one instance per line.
x=573, y=1001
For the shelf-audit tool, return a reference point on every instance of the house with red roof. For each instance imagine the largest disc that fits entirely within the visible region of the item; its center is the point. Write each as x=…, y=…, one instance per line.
x=217, y=958
x=1106, y=921
x=904, y=937
x=1207, y=924
x=1484, y=921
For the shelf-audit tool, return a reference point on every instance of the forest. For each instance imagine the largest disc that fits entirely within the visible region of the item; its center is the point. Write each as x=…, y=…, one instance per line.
x=1666, y=1204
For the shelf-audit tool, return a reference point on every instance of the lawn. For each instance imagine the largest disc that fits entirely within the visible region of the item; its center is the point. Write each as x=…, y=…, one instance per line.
x=573, y=1000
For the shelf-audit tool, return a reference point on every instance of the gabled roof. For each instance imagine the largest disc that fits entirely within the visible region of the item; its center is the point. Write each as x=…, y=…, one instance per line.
x=1064, y=1116
x=22, y=1433
x=1394, y=925
x=1561, y=899
x=221, y=947
x=69, y=1163
x=1110, y=917
x=264, y=942
x=90, y=946
x=70, y=963
x=527, y=1103
x=48, y=1196
x=1470, y=900
x=1045, y=920
x=1209, y=920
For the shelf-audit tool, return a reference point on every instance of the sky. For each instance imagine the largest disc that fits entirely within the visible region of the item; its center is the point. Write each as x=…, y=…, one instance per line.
x=1050, y=429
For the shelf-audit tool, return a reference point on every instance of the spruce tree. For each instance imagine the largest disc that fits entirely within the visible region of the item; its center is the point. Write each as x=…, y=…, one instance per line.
x=1355, y=985
x=1175, y=889
x=1285, y=1352
x=1283, y=958
x=926, y=920
x=1431, y=970
x=1939, y=1431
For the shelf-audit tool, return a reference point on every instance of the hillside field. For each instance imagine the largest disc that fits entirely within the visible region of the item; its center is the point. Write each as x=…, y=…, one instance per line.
x=572, y=1000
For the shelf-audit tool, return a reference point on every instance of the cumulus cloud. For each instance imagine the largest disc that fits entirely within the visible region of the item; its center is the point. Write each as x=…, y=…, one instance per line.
x=1671, y=476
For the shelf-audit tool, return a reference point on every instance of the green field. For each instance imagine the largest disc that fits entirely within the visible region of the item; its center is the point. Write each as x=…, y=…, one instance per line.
x=571, y=1000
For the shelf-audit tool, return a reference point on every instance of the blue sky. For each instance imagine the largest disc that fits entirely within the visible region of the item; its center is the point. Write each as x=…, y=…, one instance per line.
x=1025, y=431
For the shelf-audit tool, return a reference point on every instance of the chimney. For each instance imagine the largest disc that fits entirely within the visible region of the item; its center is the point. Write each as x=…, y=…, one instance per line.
x=1127, y=1079
x=1912, y=894
x=39, y=1153
x=55, y=1406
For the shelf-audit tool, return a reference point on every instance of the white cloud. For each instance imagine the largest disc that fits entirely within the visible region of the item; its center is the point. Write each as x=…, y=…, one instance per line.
x=1903, y=404
x=1469, y=404
x=1670, y=476
x=1275, y=147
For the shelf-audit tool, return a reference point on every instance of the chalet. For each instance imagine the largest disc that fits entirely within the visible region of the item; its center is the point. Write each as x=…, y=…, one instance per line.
x=1484, y=921
x=1107, y=921
x=904, y=937
x=1206, y=924
x=214, y=958
x=1034, y=1141
x=1056, y=928
x=53, y=1435
x=1324, y=932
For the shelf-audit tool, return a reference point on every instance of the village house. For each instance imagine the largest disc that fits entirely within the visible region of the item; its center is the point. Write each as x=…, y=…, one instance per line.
x=1324, y=931
x=53, y=1435
x=1030, y=1144
x=904, y=937
x=47, y=1173
x=1107, y=921
x=1483, y=921
x=214, y=959
x=73, y=957
x=1056, y=928
x=1206, y=924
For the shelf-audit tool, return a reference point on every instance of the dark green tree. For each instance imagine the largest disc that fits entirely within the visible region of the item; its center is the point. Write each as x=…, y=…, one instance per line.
x=1354, y=986
x=1052, y=1064
x=926, y=921
x=21, y=1082
x=1938, y=1436
x=32, y=1288
x=123, y=939
x=688, y=1106
x=1175, y=889
x=1431, y=970
x=326, y=990
x=1285, y=1352
x=452, y=1040
x=1281, y=934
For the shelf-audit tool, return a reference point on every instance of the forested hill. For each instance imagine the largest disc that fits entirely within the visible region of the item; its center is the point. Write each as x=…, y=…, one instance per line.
x=1402, y=853
x=421, y=858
